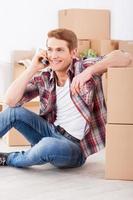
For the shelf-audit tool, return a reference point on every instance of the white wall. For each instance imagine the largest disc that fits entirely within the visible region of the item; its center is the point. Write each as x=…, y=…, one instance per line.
x=25, y=23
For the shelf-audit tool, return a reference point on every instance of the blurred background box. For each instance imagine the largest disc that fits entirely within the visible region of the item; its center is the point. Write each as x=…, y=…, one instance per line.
x=86, y=23
x=103, y=47
x=16, y=57
x=119, y=152
x=6, y=76
x=13, y=137
x=83, y=44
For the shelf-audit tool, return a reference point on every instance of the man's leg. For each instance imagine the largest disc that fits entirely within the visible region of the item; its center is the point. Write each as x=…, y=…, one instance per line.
x=49, y=145
x=59, y=151
x=32, y=126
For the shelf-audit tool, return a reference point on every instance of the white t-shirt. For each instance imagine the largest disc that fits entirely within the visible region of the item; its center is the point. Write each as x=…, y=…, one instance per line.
x=68, y=115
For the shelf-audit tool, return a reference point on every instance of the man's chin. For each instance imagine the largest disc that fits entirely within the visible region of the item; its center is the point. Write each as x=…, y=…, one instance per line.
x=56, y=68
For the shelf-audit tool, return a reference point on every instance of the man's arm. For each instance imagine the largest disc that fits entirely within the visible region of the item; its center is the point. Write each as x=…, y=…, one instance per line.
x=16, y=90
x=116, y=58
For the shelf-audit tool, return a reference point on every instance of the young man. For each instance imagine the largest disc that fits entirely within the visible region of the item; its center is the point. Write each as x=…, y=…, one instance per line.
x=71, y=125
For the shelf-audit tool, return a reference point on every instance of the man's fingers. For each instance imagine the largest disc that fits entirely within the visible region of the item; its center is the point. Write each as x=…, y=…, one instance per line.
x=81, y=85
x=76, y=86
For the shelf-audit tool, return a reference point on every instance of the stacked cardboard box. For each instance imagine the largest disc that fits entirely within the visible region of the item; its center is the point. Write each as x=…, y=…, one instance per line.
x=119, y=140
x=86, y=23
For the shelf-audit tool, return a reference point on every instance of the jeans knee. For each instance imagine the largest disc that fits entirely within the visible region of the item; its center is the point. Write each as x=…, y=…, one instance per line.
x=13, y=109
x=14, y=113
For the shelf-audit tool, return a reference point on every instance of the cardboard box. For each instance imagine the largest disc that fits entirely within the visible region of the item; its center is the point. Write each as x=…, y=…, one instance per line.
x=83, y=44
x=86, y=23
x=18, y=55
x=5, y=76
x=120, y=95
x=103, y=47
x=126, y=46
x=13, y=137
x=119, y=152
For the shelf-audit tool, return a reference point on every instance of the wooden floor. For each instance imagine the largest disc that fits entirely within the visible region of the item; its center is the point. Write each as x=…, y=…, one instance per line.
x=48, y=183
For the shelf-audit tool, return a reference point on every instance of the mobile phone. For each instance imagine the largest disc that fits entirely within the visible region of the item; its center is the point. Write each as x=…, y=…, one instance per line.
x=44, y=61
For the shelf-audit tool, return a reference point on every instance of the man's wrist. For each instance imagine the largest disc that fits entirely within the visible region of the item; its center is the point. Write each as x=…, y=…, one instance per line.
x=32, y=70
x=88, y=73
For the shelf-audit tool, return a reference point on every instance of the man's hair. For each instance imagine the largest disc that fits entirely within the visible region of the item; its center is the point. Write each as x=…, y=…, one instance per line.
x=66, y=35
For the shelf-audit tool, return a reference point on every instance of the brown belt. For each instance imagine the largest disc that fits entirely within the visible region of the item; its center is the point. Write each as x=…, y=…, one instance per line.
x=66, y=134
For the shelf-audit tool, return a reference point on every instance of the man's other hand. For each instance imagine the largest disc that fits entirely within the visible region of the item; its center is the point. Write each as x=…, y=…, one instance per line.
x=79, y=81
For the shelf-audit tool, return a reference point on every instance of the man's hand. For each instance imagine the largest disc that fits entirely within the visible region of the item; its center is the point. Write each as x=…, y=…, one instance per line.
x=118, y=58
x=79, y=81
x=36, y=64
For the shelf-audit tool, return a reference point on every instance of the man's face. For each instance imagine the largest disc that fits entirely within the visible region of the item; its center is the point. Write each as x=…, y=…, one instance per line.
x=59, y=55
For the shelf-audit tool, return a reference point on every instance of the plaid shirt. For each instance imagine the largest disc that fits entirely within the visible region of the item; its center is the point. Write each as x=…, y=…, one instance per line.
x=90, y=102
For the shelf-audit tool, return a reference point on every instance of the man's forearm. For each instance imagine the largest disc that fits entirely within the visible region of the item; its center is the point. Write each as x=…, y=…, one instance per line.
x=116, y=58
x=17, y=88
x=98, y=68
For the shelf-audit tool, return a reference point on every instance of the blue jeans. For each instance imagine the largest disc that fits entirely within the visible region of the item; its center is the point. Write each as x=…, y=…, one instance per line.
x=48, y=145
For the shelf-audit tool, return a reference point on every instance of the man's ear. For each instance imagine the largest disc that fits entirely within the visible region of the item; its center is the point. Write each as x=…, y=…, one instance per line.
x=74, y=53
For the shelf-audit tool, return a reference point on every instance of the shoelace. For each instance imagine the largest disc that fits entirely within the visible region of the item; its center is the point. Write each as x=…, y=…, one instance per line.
x=2, y=161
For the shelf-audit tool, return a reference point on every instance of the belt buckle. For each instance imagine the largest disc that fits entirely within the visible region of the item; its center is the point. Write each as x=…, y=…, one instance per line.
x=60, y=129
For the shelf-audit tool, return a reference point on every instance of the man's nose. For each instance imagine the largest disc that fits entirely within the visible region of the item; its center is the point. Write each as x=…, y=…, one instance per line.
x=54, y=54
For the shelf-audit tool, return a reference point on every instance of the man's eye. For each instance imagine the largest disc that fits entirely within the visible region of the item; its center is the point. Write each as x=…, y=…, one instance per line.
x=49, y=50
x=60, y=50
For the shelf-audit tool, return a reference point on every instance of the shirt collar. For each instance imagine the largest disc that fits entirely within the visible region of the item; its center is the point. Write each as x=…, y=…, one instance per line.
x=70, y=70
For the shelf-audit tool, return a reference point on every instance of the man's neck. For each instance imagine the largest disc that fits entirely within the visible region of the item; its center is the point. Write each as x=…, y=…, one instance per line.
x=61, y=78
